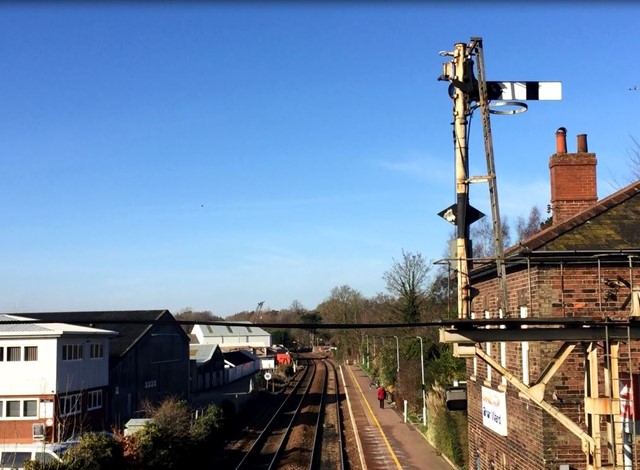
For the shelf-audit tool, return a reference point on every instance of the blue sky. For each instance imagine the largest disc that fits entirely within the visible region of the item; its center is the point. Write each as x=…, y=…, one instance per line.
x=214, y=155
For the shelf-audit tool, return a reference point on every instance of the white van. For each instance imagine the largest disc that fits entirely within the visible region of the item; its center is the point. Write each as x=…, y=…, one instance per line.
x=13, y=456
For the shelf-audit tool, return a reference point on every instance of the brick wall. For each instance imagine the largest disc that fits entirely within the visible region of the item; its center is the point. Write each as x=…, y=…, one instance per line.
x=535, y=439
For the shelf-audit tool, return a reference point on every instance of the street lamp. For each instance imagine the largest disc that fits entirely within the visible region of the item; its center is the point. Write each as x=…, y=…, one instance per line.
x=367, y=336
x=424, y=397
x=397, y=354
x=365, y=355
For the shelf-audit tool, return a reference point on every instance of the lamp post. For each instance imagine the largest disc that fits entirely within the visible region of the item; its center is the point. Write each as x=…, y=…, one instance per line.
x=424, y=397
x=397, y=354
x=367, y=337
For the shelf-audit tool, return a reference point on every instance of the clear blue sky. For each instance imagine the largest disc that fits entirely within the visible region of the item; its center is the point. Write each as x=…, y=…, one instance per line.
x=215, y=155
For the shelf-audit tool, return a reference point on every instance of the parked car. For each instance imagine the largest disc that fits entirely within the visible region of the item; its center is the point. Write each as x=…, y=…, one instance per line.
x=13, y=456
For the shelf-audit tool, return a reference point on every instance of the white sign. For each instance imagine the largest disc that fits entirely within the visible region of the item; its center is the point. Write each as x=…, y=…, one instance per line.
x=525, y=90
x=46, y=408
x=494, y=410
x=267, y=376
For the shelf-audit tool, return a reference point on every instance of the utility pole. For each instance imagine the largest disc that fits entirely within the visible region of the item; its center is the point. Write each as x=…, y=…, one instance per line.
x=459, y=72
x=462, y=76
x=424, y=390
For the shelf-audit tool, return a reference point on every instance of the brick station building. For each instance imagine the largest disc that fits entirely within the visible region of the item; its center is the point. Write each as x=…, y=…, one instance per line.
x=584, y=264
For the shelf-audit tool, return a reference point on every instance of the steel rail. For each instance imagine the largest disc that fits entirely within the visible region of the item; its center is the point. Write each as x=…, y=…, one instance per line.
x=266, y=432
x=295, y=414
x=339, y=417
x=334, y=457
x=317, y=437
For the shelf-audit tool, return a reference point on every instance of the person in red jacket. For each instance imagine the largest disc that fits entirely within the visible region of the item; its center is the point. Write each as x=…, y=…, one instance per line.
x=382, y=394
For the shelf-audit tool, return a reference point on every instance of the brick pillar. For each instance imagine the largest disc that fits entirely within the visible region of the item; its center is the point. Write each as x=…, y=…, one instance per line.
x=573, y=178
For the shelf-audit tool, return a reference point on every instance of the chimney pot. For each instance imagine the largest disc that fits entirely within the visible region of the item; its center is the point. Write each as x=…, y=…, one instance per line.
x=582, y=143
x=561, y=140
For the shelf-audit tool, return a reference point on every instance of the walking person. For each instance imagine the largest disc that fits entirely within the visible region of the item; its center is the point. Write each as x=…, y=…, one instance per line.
x=382, y=394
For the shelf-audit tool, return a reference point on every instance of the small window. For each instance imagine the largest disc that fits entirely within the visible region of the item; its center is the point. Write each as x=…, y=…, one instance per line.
x=96, y=351
x=95, y=399
x=31, y=353
x=1, y=409
x=1, y=354
x=30, y=408
x=70, y=405
x=13, y=408
x=13, y=353
x=72, y=352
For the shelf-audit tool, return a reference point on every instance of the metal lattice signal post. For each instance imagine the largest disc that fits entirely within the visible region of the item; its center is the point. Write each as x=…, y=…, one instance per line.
x=491, y=178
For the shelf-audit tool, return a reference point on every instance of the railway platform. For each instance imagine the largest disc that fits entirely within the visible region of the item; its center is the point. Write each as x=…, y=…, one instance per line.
x=397, y=445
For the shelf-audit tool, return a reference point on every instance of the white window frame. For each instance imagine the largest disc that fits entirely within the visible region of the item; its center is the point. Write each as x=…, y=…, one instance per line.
x=96, y=351
x=487, y=315
x=524, y=313
x=475, y=358
x=21, y=407
x=94, y=400
x=503, y=352
x=25, y=355
x=71, y=404
x=6, y=408
x=72, y=352
x=37, y=406
x=13, y=349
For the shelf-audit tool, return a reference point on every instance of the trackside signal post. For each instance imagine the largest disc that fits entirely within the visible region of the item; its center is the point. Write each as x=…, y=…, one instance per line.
x=460, y=73
x=469, y=93
x=606, y=406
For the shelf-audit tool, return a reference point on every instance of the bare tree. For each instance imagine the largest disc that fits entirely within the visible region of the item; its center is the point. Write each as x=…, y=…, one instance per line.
x=186, y=314
x=406, y=281
x=634, y=160
x=481, y=233
x=527, y=228
x=344, y=305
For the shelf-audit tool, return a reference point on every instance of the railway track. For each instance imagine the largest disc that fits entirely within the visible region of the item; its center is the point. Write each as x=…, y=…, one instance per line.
x=328, y=451
x=302, y=431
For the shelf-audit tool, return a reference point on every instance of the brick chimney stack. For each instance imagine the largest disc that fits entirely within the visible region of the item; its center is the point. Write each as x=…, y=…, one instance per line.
x=573, y=178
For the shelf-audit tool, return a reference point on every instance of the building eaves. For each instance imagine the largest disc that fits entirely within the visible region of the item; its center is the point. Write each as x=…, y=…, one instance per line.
x=19, y=325
x=232, y=330
x=131, y=325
